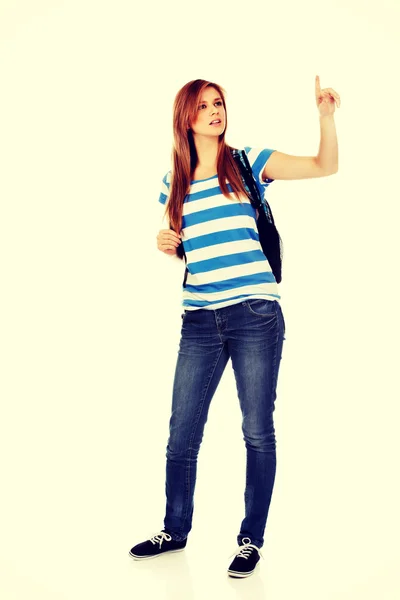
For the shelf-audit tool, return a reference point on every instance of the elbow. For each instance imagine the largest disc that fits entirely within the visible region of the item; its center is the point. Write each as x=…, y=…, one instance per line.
x=332, y=171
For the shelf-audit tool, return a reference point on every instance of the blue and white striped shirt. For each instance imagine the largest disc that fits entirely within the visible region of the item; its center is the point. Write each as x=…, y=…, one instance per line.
x=225, y=260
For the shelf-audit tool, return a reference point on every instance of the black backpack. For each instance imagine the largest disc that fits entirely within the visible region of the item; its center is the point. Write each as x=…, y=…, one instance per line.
x=270, y=239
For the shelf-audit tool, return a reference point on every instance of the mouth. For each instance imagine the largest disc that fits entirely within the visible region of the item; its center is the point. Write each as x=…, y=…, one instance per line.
x=216, y=122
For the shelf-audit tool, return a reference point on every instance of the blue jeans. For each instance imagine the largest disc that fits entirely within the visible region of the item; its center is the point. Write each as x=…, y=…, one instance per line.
x=251, y=333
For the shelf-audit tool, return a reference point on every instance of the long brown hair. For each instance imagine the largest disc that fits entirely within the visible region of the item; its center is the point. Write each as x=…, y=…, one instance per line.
x=184, y=156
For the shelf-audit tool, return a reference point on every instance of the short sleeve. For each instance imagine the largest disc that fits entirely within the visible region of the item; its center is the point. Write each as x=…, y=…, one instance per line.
x=258, y=158
x=165, y=185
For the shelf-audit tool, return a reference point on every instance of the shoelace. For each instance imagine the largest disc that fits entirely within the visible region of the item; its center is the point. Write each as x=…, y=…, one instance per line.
x=246, y=549
x=160, y=537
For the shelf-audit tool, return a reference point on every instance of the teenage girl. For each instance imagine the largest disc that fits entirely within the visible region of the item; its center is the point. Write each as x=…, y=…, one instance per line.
x=231, y=307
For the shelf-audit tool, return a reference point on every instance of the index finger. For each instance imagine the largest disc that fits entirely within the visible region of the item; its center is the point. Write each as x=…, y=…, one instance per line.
x=171, y=234
x=317, y=85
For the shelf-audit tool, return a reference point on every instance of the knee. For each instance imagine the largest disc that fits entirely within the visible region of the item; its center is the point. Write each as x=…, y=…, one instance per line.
x=260, y=442
x=179, y=450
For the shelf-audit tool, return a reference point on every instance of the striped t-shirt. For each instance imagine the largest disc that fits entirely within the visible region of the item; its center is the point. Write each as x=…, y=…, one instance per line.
x=225, y=260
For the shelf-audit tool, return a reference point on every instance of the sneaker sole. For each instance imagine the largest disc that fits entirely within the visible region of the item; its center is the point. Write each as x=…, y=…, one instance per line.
x=137, y=557
x=239, y=575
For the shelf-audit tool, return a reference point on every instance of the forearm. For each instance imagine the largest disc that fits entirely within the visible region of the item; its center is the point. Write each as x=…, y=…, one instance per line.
x=328, y=148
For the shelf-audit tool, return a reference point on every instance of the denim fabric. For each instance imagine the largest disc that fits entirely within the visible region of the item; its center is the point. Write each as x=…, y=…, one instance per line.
x=251, y=333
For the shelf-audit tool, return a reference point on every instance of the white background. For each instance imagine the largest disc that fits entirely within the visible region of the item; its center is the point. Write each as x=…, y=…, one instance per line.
x=90, y=309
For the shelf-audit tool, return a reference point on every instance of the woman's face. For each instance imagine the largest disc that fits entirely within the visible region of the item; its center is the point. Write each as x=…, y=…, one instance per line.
x=210, y=108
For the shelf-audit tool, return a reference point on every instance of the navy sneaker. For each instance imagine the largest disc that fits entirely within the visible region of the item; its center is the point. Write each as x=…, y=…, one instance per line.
x=159, y=544
x=246, y=560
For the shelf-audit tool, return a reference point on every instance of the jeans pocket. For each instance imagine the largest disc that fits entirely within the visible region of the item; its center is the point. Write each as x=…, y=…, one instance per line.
x=261, y=307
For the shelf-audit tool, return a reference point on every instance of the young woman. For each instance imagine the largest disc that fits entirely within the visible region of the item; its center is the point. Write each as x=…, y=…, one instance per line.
x=231, y=306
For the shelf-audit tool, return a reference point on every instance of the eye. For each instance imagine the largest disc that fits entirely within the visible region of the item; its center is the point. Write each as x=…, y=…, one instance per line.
x=219, y=102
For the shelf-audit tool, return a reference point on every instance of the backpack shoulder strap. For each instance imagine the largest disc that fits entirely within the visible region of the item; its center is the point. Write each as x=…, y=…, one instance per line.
x=240, y=157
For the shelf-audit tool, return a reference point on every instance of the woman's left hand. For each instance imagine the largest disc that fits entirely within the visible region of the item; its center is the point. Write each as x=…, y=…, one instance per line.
x=326, y=99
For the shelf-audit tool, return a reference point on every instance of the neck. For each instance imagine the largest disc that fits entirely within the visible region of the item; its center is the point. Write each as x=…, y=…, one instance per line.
x=207, y=150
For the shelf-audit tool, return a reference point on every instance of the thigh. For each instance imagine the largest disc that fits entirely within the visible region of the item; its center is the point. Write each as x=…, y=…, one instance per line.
x=202, y=358
x=255, y=345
